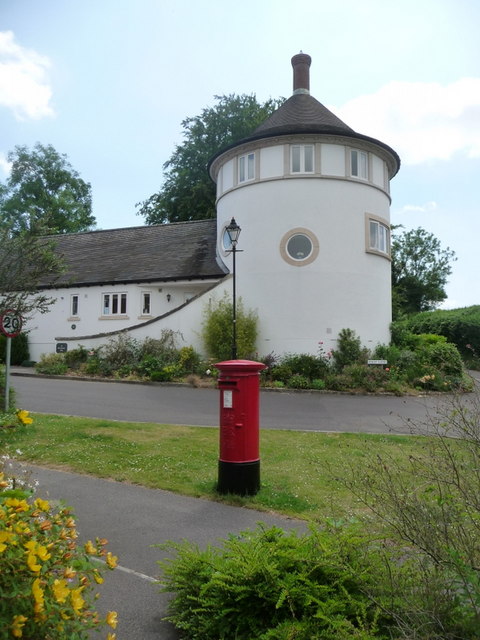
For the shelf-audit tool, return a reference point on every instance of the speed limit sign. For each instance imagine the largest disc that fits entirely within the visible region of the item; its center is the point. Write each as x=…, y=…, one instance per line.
x=10, y=323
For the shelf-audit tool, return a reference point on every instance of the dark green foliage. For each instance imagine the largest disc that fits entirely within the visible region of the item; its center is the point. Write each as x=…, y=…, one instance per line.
x=299, y=370
x=306, y=365
x=349, y=350
x=459, y=326
x=43, y=189
x=420, y=268
x=52, y=364
x=76, y=357
x=19, y=350
x=365, y=377
x=26, y=259
x=156, y=359
x=297, y=381
x=269, y=584
x=188, y=193
x=218, y=329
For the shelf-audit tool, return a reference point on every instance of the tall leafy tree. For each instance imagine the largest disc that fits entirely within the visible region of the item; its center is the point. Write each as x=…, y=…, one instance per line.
x=44, y=190
x=420, y=269
x=188, y=193
x=27, y=260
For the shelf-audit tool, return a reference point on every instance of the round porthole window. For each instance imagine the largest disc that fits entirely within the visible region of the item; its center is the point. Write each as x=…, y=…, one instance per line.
x=299, y=247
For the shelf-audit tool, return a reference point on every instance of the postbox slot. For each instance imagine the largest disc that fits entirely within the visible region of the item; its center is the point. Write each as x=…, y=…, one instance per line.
x=227, y=383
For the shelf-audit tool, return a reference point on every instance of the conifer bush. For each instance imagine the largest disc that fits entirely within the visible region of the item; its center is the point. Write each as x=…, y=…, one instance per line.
x=269, y=584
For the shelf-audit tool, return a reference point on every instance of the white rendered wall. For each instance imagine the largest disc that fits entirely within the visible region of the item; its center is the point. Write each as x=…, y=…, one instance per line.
x=300, y=306
x=46, y=330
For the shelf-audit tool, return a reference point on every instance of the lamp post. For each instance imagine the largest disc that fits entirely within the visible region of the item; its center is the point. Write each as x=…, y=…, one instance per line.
x=233, y=231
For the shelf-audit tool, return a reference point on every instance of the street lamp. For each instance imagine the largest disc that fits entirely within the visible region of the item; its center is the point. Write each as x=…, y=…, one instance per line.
x=233, y=231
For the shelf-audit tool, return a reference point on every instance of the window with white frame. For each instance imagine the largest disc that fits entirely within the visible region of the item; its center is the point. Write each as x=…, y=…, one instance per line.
x=359, y=164
x=74, y=305
x=146, y=303
x=379, y=237
x=114, y=304
x=246, y=167
x=301, y=158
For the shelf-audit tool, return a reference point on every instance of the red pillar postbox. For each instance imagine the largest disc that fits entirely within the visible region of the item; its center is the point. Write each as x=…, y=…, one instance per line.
x=239, y=461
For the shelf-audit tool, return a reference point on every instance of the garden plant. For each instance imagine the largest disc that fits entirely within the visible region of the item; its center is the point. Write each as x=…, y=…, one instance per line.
x=47, y=579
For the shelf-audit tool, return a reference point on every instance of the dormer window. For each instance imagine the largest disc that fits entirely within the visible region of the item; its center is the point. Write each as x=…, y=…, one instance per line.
x=301, y=158
x=246, y=167
x=359, y=164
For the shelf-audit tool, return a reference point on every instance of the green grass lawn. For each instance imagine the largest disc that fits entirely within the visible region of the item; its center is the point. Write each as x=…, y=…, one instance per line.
x=300, y=471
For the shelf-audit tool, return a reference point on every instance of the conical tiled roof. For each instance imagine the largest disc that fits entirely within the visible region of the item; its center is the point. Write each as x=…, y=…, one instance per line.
x=303, y=114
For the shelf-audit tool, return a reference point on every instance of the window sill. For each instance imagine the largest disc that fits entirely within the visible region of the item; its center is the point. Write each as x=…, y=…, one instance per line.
x=115, y=317
x=73, y=319
x=382, y=254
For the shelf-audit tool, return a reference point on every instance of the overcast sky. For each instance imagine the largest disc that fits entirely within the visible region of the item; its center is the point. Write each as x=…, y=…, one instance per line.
x=108, y=83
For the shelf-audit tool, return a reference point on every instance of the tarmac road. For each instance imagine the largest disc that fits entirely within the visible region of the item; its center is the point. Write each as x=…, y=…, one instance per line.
x=169, y=404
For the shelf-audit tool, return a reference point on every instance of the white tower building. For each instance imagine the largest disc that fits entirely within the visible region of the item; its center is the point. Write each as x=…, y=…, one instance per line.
x=312, y=198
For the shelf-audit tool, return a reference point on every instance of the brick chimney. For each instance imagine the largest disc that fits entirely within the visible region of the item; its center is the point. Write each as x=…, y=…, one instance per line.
x=301, y=73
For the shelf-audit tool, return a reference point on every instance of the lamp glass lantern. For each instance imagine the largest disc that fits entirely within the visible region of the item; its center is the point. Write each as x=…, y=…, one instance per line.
x=233, y=231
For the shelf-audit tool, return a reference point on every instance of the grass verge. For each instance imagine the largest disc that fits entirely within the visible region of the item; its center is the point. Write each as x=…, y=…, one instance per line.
x=300, y=471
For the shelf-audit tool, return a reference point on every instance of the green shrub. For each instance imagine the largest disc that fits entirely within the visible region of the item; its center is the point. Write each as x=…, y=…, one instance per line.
x=443, y=357
x=163, y=348
x=306, y=365
x=167, y=373
x=459, y=326
x=349, y=350
x=390, y=353
x=281, y=373
x=298, y=381
x=19, y=349
x=120, y=350
x=217, y=329
x=75, y=357
x=149, y=365
x=189, y=360
x=52, y=364
x=369, y=378
x=317, y=384
x=269, y=584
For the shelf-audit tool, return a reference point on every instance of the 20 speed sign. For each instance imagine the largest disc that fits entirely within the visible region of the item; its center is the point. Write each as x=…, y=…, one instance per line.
x=10, y=323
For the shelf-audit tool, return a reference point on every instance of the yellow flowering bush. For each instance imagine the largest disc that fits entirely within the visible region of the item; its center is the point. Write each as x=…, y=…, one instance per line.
x=47, y=579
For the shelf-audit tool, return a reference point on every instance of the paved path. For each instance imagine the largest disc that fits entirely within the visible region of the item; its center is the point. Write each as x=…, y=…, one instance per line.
x=133, y=519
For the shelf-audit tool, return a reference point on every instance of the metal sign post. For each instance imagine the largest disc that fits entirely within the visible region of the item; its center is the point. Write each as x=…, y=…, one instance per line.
x=10, y=326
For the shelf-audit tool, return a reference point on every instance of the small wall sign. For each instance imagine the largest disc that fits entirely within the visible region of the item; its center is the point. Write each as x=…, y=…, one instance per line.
x=61, y=347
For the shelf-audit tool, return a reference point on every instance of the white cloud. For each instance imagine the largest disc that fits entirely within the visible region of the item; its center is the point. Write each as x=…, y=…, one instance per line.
x=24, y=86
x=419, y=208
x=421, y=121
